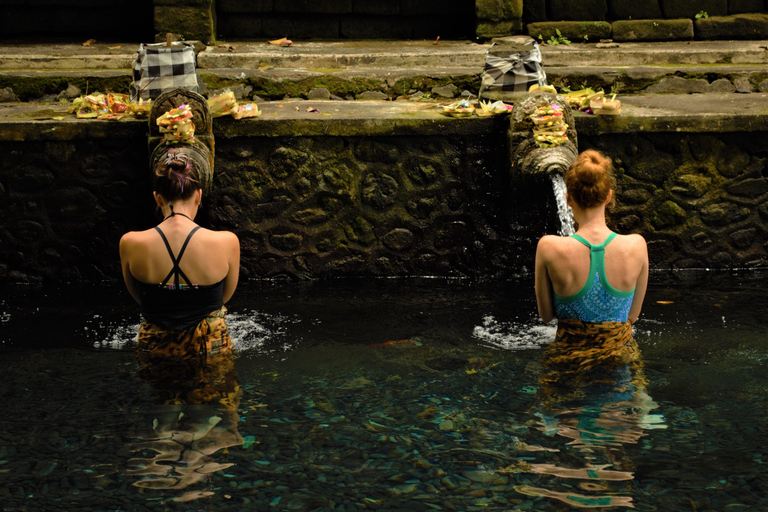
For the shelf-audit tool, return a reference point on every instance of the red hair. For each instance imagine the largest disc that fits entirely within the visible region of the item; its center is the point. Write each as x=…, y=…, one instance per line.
x=589, y=179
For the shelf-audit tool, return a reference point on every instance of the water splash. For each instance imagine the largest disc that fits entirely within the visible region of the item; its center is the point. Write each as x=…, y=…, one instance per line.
x=567, y=226
x=251, y=332
x=258, y=332
x=513, y=336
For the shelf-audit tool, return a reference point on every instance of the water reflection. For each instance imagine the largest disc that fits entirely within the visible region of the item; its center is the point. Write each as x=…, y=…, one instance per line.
x=197, y=395
x=592, y=392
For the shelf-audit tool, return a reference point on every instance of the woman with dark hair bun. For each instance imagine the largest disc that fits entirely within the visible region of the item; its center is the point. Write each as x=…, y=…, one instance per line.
x=180, y=273
x=595, y=275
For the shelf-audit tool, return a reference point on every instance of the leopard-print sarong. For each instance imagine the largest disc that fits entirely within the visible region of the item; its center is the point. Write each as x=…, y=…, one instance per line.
x=192, y=366
x=589, y=359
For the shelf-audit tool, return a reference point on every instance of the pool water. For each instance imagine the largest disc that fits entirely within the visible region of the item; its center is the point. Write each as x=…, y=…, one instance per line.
x=421, y=394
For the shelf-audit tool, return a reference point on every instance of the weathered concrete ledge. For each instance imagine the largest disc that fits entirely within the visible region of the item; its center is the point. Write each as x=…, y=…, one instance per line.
x=694, y=113
x=347, y=70
x=385, y=54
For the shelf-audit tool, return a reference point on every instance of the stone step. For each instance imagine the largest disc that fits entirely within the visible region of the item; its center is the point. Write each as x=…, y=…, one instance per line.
x=350, y=68
x=387, y=54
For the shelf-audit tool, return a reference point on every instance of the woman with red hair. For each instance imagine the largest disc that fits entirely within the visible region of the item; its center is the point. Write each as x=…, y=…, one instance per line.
x=595, y=275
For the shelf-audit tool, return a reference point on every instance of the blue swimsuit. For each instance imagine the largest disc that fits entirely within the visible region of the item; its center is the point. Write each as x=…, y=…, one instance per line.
x=597, y=301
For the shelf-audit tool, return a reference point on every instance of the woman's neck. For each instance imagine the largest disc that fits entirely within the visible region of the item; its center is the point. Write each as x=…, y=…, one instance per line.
x=180, y=209
x=591, y=220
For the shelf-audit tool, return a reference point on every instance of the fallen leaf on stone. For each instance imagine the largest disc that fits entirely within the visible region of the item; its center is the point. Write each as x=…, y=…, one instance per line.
x=312, y=109
x=297, y=108
x=283, y=41
x=114, y=47
x=231, y=48
x=664, y=302
x=89, y=42
x=437, y=40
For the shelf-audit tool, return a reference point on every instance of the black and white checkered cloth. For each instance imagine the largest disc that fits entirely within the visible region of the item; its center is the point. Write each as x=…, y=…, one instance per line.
x=158, y=68
x=515, y=72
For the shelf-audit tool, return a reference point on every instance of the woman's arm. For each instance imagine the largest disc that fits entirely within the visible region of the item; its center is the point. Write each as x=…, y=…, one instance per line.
x=233, y=274
x=641, y=250
x=544, y=295
x=126, y=250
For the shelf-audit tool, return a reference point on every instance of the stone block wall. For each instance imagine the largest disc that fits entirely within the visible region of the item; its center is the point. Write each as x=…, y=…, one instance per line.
x=346, y=19
x=209, y=20
x=654, y=20
x=47, y=20
x=611, y=10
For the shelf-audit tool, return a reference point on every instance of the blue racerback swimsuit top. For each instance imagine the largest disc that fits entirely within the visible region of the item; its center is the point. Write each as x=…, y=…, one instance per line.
x=176, y=305
x=597, y=301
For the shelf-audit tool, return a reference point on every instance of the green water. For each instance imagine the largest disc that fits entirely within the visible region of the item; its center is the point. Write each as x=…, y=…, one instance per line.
x=387, y=395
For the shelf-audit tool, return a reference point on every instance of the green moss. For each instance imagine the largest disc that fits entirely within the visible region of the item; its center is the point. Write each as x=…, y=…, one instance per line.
x=29, y=88
x=218, y=82
x=426, y=83
x=667, y=214
x=44, y=113
x=274, y=90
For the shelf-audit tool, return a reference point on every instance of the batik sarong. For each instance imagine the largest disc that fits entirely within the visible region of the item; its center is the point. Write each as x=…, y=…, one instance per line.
x=592, y=359
x=190, y=366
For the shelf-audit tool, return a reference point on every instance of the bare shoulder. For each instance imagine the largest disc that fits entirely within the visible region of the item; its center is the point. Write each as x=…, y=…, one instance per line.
x=552, y=247
x=133, y=238
x=635, y=241
x=548, y=241
x=222, y=237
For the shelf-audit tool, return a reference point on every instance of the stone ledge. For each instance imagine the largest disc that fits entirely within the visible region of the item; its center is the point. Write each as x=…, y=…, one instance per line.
x=739, y=26
x=652, y=30
x=692, y=113
x=574, y=31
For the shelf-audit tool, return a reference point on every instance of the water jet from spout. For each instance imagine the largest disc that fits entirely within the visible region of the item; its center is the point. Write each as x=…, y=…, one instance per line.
x=567, y=226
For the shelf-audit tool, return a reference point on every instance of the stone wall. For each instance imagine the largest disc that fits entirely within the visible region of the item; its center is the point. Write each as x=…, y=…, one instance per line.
x=700, y=200
x=46, y=20
x=442, y=202
x=207, y=21
x=304, y=206
x=610, y=10
x=346, y=19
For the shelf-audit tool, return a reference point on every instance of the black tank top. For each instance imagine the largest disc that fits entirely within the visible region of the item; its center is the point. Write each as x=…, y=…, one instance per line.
x=179, y=305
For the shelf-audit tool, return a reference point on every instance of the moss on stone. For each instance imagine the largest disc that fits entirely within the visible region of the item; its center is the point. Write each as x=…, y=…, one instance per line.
x=28, y=88
x=275, y=90
x=426, y=83
x=213, y=81
x=667, y=214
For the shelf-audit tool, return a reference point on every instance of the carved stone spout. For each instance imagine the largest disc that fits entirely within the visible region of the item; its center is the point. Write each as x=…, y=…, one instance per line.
x=526, y=156
x=201, y=150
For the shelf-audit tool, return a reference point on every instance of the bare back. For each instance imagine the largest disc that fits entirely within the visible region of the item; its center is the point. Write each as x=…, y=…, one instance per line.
x=563, y=263
x=209, y=257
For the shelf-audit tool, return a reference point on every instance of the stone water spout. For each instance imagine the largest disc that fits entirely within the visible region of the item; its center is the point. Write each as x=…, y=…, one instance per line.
x=201, y=150
x=526, y=157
